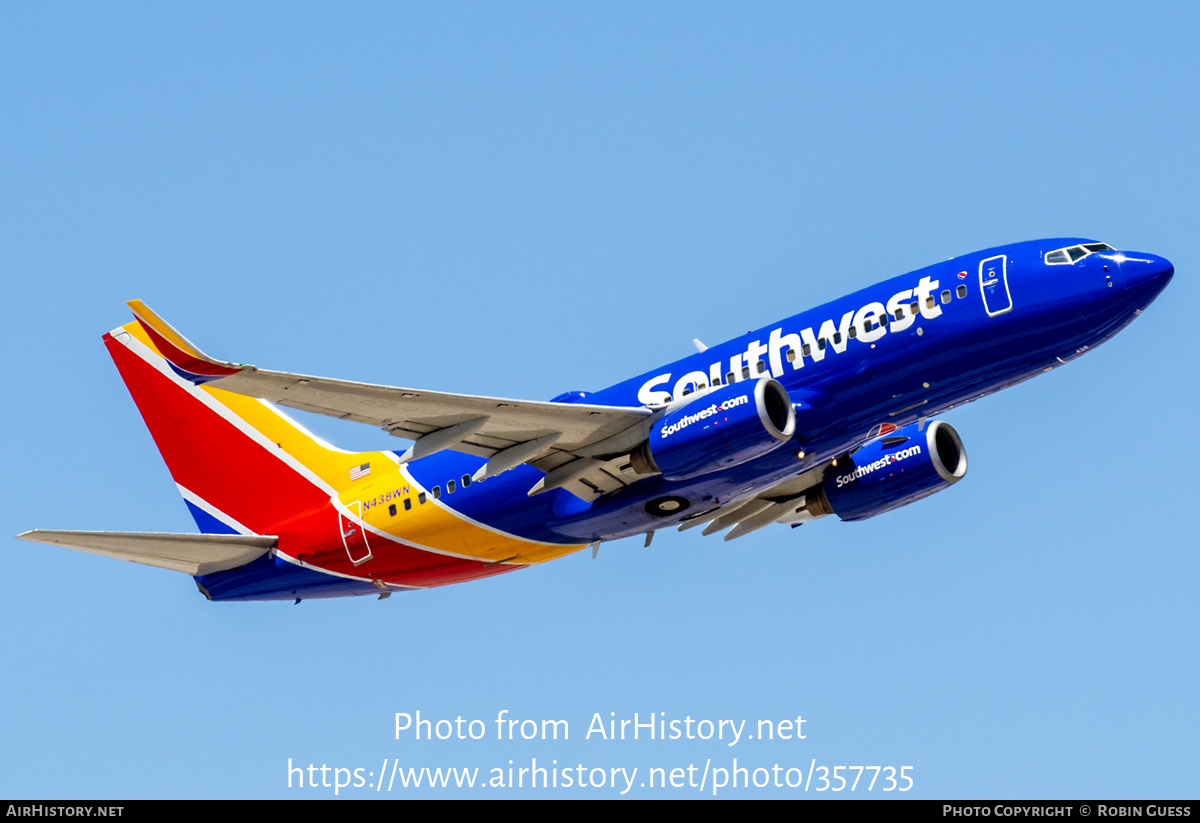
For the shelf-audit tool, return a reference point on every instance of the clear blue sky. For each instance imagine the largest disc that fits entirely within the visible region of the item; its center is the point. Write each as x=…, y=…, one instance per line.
x=521, y=199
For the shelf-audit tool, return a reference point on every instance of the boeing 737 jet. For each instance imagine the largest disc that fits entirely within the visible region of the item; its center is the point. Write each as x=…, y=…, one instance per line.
x=826, y=412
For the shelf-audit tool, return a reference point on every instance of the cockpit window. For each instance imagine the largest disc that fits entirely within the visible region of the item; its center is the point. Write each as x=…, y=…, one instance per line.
x=1062, y=257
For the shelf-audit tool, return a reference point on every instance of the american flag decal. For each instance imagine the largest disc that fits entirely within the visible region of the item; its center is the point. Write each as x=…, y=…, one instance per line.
x=360, y=471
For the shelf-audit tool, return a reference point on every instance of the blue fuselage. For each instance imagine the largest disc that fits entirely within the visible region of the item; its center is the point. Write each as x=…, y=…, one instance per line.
x=904, y=349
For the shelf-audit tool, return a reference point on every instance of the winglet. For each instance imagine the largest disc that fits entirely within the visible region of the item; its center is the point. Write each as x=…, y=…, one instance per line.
x=187, y=360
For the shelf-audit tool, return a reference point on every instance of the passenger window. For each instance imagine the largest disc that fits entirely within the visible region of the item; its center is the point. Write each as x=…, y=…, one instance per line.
x=945, y=296
x=466, y=480
x=899, y=314
x=930, y=302
x=437, y=492
x=421, y=498
x=837, y=338
x=728, y=378
x=962, y=291
x=821, y=343
x=449, y=487
x=791, y=355
x=745, y=372
x=914, y=309
x=392, y=510
x=807, y=350
x=868, y=326
x=761, y=366
x=853, y=333
x=408, y=503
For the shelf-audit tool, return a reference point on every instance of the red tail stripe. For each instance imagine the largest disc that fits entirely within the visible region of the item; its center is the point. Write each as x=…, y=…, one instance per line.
x=209, y=455
x=216, y=460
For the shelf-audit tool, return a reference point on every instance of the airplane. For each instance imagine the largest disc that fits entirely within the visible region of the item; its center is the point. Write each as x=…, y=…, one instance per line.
x=827, y=412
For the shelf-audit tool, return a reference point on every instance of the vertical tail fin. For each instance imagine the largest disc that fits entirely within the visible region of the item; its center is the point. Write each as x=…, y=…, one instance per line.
x=242, y=466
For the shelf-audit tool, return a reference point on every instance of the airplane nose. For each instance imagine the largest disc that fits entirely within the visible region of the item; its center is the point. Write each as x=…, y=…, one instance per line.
x=1147, y=272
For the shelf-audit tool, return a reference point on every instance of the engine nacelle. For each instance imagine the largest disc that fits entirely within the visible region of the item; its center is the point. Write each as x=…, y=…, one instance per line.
x=893, y=471
x=721, y=428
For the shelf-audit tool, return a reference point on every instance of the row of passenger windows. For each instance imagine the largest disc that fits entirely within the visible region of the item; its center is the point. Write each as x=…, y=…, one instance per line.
x=1061, y=257
x=436, y=491
x=760, y=367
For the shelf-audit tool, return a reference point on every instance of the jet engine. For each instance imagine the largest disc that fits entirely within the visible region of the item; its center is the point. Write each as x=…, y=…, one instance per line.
x=890, y=472
x=718, y=429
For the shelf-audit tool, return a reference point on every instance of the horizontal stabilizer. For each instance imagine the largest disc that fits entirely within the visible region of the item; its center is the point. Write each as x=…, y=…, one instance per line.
x=192, y=554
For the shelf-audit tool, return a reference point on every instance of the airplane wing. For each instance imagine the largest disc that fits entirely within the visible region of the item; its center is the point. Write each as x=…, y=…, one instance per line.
x=190, y=553
x=782, y=503
x=579, y=445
